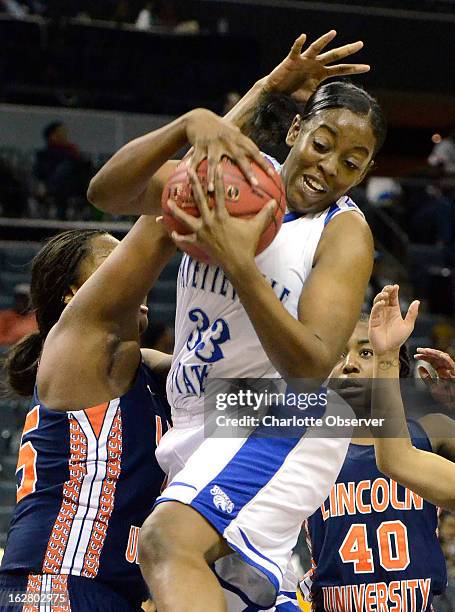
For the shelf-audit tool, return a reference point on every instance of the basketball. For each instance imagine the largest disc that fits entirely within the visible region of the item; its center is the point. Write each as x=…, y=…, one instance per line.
x=242, y=199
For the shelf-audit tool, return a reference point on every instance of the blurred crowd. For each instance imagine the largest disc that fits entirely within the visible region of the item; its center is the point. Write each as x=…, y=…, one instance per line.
x=162, y=13
x=58, y=181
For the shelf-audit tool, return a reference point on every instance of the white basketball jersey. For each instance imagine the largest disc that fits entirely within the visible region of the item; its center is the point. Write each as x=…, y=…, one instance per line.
x=214, y=336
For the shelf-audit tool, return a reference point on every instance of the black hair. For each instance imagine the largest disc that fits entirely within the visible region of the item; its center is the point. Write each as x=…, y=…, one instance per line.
x=405, y=361
x=270, y=123
x=274, y=114
x=50, y=129
x=54, y=269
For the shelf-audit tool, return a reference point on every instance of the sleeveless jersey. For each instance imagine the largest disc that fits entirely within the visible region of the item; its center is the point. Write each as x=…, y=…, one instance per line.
x=87, y=480
x=214, y=335
x=374, y=543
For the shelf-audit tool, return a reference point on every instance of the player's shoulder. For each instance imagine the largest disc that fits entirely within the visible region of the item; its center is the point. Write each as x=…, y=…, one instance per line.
x=345, y=211
x=350, y=227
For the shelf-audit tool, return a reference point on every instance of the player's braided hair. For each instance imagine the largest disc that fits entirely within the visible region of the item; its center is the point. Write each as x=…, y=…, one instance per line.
x=54, y=269
x=274, y=113
x=405, y=362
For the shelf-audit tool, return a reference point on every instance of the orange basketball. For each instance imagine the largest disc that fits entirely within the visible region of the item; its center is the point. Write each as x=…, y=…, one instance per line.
x=242, y=199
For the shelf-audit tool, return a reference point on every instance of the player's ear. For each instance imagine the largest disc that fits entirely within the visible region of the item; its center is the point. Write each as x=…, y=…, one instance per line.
x=294, y=131
x=71, y=293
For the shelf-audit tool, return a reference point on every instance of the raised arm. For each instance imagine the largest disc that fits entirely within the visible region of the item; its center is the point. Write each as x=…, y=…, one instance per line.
x=92, y=354
x=299, y=74
x=124, y=184
x=132, y=181
x=429, y=475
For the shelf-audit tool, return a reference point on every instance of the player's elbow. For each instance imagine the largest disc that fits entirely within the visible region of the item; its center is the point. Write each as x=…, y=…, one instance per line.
x=385, y=465
x=97, y=197
x=320, y=362
x=396, y=462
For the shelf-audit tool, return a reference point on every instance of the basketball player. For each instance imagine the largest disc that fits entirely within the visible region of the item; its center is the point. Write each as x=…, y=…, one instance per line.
x=373, y=542
x=87, y=470
x=429, y=475
x=258, y=318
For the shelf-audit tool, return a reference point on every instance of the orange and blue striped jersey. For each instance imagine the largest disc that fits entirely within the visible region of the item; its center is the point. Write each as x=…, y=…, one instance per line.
x=87, y=480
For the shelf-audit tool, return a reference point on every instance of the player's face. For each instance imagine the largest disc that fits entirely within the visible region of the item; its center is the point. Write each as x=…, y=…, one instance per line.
x=331, y=153
x=100, y=248
x=352, y=374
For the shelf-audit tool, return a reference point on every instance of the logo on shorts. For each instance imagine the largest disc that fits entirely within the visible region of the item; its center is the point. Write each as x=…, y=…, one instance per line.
x=221, y=500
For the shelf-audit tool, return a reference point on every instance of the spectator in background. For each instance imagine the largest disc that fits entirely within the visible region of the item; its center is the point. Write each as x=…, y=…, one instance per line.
x=146, y=18
x=442, y=156
x=17, y=322
x=62, y=169
x=158, y=336
x=433, y=219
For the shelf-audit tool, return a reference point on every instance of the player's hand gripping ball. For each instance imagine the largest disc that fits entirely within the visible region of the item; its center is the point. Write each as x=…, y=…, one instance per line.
x=242, y=199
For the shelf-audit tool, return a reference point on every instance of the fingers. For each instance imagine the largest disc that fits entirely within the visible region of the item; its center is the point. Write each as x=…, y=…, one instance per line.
x=345, y=69
x=389, y=294
x=182, y=238
x=437, y=358
x=213, y=159
x=412, y=313
x=296, y=48
x=199, y=195
x=244, y=164
x=192, y=223
x=377, y=311
x=381, y=297
x=220, y=203
x=265, y=216
x=315, y=48
x=393, y=295
x=256, y=154
x=196, y=157
x=334, y=55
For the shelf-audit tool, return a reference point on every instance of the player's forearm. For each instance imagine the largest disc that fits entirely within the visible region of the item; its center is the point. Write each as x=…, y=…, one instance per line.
x=293, y=349
x=395, y=455
x=392, y=438
x=430, y=476
x=123, y=179
x=241, y=114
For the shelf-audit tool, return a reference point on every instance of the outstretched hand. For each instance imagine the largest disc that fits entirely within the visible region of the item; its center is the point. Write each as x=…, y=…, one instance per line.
x=387, y=328
x=441, y=388
x=301, y=72
x=229, y=241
